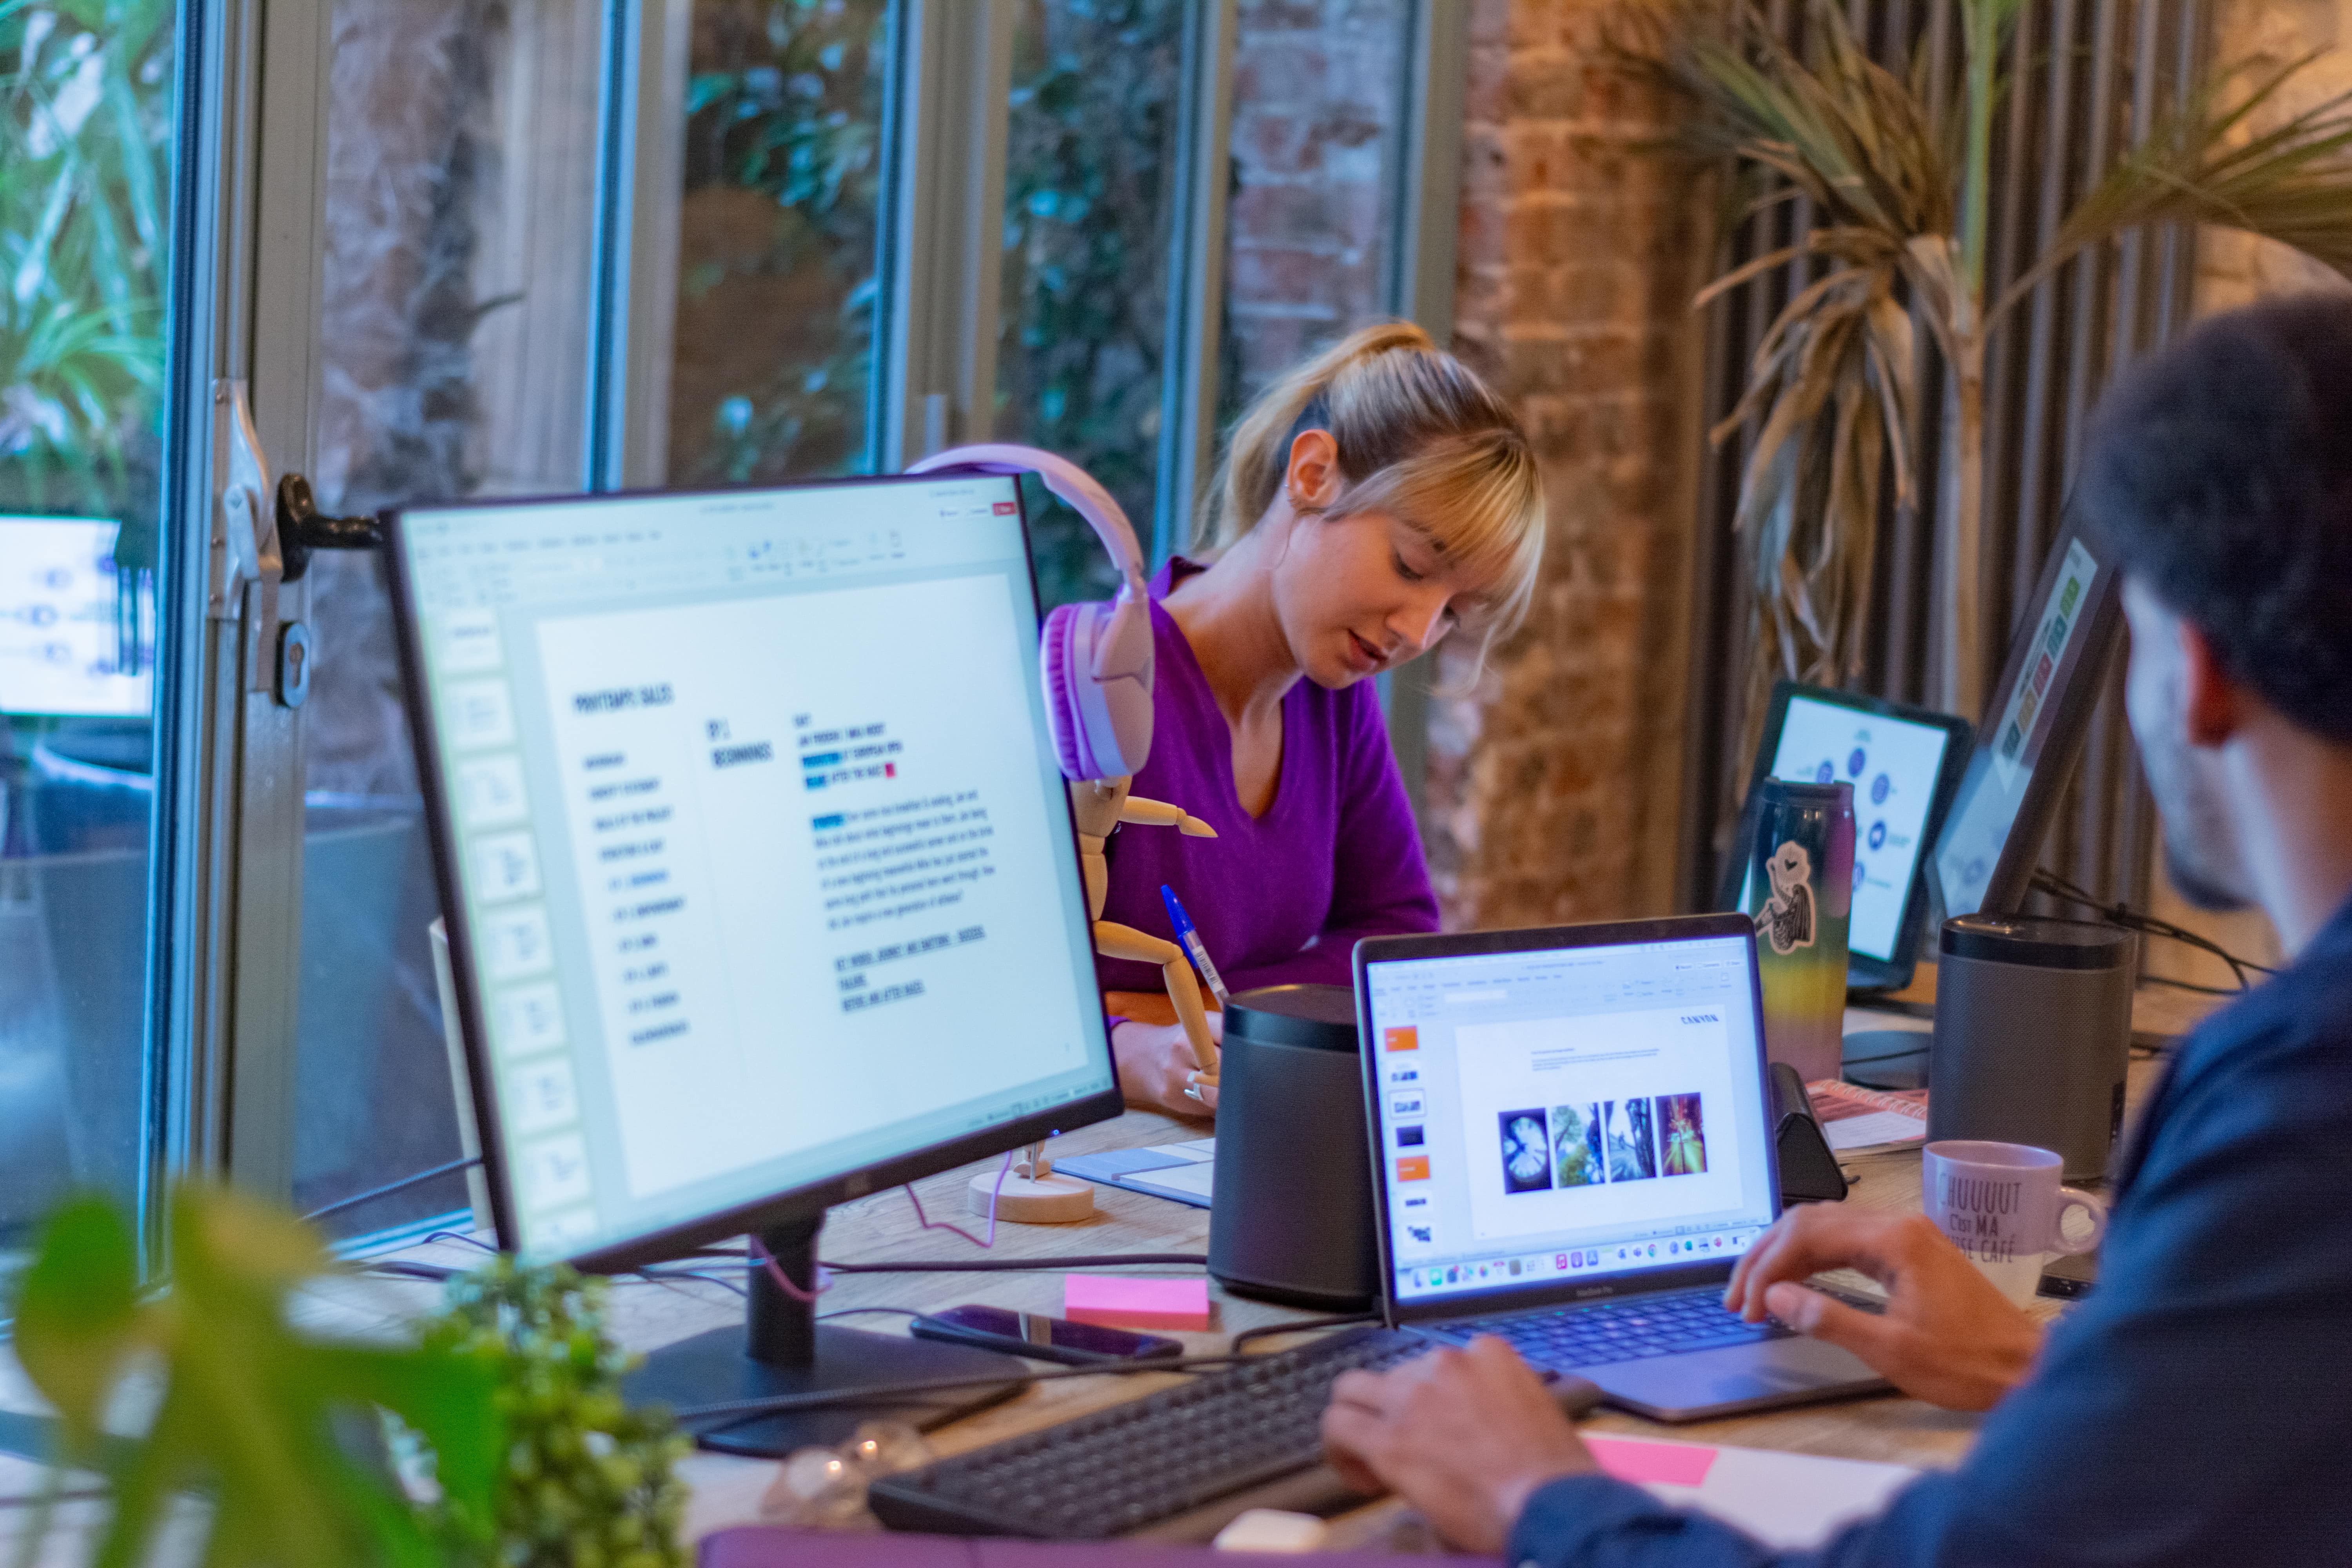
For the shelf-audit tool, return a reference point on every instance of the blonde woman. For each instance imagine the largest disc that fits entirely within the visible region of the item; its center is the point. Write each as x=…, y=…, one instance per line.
x=1376, y=500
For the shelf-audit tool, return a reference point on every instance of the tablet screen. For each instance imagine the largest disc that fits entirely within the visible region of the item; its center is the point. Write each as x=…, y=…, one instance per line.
x=1893, y=764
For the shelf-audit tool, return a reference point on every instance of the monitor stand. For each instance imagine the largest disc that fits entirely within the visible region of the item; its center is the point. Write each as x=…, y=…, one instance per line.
x=783, y=1350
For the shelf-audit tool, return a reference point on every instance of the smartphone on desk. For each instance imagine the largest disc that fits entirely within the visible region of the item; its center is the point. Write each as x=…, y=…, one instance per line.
x=1041, y=1338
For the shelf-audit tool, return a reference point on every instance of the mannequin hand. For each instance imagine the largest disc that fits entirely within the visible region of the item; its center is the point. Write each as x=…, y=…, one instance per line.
x=1155, y=1066
x=1465, y=1435
x=1949, y=1336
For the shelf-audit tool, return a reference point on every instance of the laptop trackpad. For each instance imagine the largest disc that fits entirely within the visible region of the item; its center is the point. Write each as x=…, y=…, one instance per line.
x=1757, y=1376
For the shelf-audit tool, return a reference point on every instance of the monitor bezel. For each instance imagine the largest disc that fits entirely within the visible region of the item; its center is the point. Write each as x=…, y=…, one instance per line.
x=2070, y=726
x=1369, y=951
x=1864, y=971
x=800, y=1204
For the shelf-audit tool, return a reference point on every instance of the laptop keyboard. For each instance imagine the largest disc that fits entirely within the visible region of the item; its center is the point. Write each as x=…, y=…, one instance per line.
x=1669, y=1323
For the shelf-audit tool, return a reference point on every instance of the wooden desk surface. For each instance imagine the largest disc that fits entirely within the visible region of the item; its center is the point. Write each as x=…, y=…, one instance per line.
x=727, y=1490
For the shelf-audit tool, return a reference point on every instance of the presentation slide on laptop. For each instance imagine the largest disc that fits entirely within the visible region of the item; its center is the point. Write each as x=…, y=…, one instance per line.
x=1570, y=1119
x=1893, y=767
x=1577, y=1110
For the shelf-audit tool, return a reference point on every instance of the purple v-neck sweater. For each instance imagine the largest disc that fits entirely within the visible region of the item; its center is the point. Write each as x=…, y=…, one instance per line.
x=1282, y=898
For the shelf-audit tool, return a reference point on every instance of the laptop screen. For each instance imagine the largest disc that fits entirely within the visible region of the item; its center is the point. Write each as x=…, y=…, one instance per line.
x=1567, y=1112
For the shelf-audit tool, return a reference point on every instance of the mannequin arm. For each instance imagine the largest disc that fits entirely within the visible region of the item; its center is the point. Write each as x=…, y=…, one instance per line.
x=1115, y=940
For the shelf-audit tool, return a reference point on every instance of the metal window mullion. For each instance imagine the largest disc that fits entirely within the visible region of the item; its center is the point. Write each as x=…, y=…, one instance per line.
x=225, y=882
x=1196, y=272
x=943, y=241
x=641, y=160
x=1419, y=285
x=1429, y=195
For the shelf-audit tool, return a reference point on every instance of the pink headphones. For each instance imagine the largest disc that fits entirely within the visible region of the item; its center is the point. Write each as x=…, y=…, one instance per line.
x=1097, y=657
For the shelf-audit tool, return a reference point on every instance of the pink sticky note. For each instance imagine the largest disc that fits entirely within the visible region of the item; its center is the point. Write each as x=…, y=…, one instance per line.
x=1632, y=1459
x=1129, y=1304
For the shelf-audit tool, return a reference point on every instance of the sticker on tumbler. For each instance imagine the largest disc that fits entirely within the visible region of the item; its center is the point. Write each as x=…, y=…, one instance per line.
x=1785, y=920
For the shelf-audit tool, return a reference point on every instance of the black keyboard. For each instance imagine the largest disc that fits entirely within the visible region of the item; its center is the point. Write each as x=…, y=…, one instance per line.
x=1669, y=1323
x=1175, y=1465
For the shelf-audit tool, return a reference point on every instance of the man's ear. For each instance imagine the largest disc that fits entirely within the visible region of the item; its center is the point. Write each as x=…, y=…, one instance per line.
x=2214, y=707
x=1313, y=475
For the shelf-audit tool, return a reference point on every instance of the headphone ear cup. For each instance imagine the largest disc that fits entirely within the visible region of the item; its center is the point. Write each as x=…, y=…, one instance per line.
x=1063, y=670
x=1102, y=728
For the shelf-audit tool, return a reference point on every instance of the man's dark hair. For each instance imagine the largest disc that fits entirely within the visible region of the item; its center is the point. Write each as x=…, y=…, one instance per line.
x=2219, y=473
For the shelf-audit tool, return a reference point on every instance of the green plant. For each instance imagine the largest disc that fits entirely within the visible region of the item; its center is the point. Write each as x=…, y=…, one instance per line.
x=250, y=1413
x=785, y=101
x=585, y=1481
x=1900, y=198
x=85, y=129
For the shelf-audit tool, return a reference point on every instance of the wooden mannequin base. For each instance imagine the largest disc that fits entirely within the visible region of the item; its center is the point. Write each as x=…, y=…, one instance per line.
x=1057, y=1199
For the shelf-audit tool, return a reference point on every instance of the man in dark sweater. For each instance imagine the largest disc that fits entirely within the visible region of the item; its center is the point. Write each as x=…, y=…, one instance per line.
x=2197, y=1408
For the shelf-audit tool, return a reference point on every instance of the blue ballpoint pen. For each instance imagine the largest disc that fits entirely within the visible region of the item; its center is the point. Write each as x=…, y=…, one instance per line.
x=1189, y=936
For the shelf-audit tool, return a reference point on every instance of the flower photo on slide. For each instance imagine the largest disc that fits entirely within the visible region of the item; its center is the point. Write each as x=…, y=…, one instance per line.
x=1682, y=1136
x=1576, y=1146
x=1526, y=1151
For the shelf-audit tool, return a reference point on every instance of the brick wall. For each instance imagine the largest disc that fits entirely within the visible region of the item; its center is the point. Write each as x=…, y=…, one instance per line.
x=1317, y=103
x=1553, y=780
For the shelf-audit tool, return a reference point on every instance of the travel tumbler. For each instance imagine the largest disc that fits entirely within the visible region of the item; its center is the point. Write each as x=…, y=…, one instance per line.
x=1802, y=897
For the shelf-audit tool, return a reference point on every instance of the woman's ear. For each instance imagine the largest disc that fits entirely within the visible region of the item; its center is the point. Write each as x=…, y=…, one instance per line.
x=1312, y=479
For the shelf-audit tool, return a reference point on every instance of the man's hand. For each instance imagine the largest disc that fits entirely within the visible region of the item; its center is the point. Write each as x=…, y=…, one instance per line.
x=1465, y=1435
x=1949, y=1336
x=1156, y=1066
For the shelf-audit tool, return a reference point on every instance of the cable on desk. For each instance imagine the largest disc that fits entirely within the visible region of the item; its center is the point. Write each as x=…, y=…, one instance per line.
x=2130, y=919
x=735, y=1411
x=1017, y=1265
x=385, y=1190
x=1268, y=1331
x=853, y=1311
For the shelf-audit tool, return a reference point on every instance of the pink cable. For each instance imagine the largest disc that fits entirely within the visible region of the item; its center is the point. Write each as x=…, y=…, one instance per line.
x=993, y=1193
x=783, y=1282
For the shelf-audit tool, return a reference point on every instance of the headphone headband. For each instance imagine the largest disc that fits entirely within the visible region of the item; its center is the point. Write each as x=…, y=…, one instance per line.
x=1081, y=489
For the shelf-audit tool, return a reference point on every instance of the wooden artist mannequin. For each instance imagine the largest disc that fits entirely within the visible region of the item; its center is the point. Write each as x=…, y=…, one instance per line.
x=1030, y=1194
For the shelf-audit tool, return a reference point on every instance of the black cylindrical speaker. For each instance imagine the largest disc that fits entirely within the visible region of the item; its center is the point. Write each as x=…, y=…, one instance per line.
x=2032, y=1035
x=1290, y=1217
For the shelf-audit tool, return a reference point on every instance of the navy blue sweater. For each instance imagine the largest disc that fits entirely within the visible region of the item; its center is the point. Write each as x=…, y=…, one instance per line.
x=2197, y=1409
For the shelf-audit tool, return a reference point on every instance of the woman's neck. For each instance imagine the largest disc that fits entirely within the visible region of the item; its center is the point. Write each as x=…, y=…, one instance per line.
x=1226, y=613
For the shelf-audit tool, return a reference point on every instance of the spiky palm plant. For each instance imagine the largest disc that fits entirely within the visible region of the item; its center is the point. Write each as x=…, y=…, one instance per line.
x=1900, y=198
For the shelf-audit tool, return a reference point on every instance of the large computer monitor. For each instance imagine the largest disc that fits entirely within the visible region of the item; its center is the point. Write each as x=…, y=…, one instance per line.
x=60, y=621
x=2033, y=730
x=1904, y=764
x=761, y=887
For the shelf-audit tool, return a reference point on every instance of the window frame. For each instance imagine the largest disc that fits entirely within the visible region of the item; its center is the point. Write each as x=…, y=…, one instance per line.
x=255, y=110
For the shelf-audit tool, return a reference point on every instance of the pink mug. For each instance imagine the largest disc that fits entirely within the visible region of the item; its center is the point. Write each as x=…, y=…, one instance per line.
x=2002, y=1204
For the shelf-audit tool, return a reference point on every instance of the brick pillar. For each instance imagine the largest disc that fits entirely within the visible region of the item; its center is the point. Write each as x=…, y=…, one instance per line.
x=1554, y=779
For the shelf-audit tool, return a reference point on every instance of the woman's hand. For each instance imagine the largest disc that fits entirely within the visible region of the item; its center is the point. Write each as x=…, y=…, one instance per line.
x=1156, y=1066
x=1949, y=1336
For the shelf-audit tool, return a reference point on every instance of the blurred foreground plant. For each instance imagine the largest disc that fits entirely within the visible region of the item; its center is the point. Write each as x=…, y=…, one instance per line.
x=249, y=1412
x=585, y=1481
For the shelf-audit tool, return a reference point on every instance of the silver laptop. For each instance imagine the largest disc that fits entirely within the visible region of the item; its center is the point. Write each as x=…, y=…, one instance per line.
x=1574, y=1147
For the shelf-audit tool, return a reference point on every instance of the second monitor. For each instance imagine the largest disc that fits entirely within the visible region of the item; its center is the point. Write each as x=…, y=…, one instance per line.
x=1904, y=765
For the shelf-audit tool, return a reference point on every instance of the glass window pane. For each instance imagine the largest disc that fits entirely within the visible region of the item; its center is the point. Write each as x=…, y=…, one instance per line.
x=773, y=339
x=453, y=342
x=1089, y=215
x=1318, y=107
x=85, y=98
